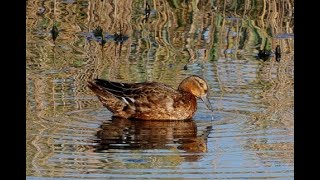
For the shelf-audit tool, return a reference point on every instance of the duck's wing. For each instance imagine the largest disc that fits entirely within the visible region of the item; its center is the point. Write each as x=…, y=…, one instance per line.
x=129, y=93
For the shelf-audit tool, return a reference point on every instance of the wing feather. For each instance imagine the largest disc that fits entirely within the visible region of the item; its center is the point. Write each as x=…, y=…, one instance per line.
x=129, y=93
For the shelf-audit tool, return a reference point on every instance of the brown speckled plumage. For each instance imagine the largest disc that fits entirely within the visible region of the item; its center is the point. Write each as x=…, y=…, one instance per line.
x=150, y=100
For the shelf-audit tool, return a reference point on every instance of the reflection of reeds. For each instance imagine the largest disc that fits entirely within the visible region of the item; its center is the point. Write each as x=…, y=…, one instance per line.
x=267, y=152
x=277, y=94
x=259, y=21
x=177, y=32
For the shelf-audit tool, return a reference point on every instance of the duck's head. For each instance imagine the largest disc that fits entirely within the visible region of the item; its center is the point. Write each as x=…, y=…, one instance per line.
x=198, y=87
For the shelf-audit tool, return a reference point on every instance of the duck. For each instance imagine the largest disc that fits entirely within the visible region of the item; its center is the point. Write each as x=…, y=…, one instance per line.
x=152, y=100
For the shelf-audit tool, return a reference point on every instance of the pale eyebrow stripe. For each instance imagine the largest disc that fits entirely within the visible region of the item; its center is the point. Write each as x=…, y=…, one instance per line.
x=202, y=85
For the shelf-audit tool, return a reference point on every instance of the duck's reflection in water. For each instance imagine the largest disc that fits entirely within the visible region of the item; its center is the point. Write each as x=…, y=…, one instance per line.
x=127, y=134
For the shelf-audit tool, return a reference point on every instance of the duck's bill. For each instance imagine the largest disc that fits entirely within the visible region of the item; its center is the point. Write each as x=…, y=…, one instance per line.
x=206, y=102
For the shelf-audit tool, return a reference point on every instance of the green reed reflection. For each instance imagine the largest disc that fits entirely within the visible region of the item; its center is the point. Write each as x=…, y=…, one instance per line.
x=166, y=40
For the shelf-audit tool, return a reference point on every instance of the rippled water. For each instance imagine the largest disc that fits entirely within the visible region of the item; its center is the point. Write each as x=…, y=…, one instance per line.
x=70, y=135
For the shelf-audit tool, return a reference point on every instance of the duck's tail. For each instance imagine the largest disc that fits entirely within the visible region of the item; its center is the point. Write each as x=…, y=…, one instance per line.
x=112, y=103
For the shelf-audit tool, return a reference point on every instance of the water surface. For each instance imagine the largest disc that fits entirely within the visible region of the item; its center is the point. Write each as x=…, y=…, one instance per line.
x=70, y=135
